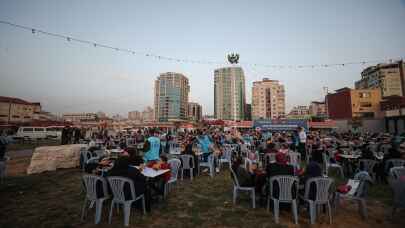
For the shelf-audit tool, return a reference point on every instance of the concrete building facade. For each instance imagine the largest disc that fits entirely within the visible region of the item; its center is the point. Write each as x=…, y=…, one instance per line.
x=318, y=109
x=194, y=111
x=299, y=112
x=171, y=97
x=229, y=93
x=79, y=117
x=349, y=103
x=15, y=110
x=389, y=78
x=268, y=99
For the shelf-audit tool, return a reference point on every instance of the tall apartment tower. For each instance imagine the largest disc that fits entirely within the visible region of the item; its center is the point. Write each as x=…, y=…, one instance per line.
x=268, y=99
x=229, y=93
x=389, y=78
x=171, y=97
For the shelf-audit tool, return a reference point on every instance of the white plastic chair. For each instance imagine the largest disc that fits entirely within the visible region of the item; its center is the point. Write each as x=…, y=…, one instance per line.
x=396, y=172
x=90, y=187
x=322, y=185
x=269, y=158
x=395, y=162
x=294, y=159
x=117, y=188
x=398, y=189
x=237, y=187
x=359, y=195
x=174, y=169
x=209, y=164
x=88, y=158
x=226, y=157
x=329, y=165
x=286, y=184
x=368, y=166
x=248, y=163
x=186, y=159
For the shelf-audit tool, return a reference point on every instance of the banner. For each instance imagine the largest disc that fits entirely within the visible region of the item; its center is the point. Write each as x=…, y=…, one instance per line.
x=280, y=125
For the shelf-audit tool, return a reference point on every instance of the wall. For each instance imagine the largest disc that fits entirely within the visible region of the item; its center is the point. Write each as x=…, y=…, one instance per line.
x=370, y=125
x=339, y=105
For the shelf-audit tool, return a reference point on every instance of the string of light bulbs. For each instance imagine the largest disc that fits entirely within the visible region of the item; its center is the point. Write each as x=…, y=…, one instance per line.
x=192, y=61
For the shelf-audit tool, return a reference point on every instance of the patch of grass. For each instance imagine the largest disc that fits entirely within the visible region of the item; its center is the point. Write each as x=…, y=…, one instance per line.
x=53, y=199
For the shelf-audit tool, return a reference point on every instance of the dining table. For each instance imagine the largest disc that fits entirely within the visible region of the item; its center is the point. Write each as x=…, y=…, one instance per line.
x=151, y=178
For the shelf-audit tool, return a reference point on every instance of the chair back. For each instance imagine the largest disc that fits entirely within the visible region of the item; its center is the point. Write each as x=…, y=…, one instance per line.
x=248, y=163
x=368, y=165
x=269, y=158
x=211, y=159
x=90, y=185
x=295, y=158
x=117, y=187
x=396, y=172
x=362, y=190
x=286, y=184
x=323, y=185
x=227, y=155
x=186, y=159
x=234, y=178
x=395, y=162
x=174, y=167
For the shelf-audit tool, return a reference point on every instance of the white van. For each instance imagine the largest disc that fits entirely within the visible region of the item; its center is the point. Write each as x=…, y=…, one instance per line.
x=54, y=132
x=32, y=133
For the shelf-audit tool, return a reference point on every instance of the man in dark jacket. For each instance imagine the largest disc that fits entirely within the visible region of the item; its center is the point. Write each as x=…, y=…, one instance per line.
x=279, y=168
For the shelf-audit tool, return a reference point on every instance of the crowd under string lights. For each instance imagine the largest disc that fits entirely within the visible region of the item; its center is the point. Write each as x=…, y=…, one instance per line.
x=192, y=61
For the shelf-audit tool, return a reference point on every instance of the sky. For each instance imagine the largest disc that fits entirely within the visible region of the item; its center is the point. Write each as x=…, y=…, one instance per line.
x=69, y=77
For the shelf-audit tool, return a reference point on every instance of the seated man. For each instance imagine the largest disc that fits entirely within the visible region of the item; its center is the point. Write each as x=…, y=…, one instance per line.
x=314, y=169
x=279, y=168
x=151, y=148
x=121, y=168
x=245, y=179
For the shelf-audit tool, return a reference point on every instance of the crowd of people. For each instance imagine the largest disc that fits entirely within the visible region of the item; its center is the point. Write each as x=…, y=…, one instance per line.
x=156, y=145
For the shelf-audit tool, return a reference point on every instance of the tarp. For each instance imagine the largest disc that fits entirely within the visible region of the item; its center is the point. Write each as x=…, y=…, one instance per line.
x=280, y=125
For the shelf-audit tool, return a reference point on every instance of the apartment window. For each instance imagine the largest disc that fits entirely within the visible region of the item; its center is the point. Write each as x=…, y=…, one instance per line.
x=365, y=104
x=364, y=95
x=15, y=116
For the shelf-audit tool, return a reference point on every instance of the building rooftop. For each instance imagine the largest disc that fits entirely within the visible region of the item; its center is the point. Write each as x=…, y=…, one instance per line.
x=16, y=101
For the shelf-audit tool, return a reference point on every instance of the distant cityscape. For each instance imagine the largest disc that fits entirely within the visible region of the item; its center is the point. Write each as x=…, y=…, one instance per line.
x=377, y=99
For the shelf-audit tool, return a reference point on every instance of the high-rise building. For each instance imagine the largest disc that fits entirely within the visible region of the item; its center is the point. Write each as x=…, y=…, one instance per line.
x=194, y=111
x=248, y=112
x=229, y=93
x=268, y=100
x=135, y=115
x=389, y=78
x=171, y=97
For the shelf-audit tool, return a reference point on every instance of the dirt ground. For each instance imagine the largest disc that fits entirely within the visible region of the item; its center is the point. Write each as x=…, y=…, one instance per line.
x=54, y=199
